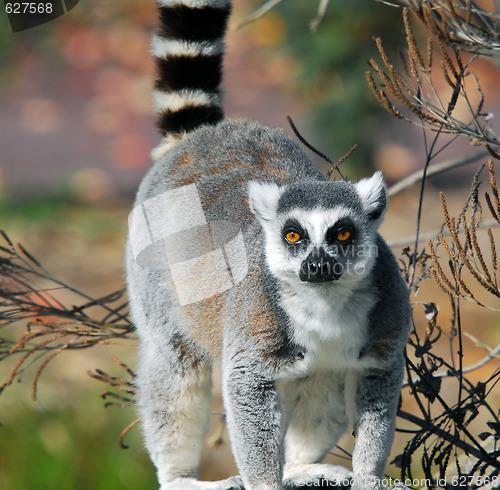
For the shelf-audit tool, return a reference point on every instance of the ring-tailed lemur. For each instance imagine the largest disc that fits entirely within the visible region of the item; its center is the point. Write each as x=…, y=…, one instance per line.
x=240, y=249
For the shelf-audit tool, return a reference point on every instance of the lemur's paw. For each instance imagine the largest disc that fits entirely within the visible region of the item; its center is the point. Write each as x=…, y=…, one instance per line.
x=316, y=475
x=233, y=483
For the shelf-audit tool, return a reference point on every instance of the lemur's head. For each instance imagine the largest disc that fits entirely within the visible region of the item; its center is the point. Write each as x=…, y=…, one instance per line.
x=320, y=231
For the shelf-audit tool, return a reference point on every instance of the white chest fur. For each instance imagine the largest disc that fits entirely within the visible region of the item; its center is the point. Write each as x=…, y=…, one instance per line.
x=330, y=323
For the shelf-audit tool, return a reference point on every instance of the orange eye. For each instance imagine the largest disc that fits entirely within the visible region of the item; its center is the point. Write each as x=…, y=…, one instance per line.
x=292, y=237
x=344, y=235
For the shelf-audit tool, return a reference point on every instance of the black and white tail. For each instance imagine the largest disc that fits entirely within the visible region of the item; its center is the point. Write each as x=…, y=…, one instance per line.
x=188, y=51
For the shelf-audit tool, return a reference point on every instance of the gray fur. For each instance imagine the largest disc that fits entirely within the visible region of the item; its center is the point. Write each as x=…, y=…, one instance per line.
x=255, y=333
x=313, y=193
x=211, y=277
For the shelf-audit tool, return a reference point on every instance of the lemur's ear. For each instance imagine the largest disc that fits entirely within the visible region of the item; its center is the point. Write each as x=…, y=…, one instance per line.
x=263, y=199
x=373, y=194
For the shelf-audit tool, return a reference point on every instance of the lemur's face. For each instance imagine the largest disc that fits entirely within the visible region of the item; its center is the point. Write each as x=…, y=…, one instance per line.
x=319, y=245
x=320, y=232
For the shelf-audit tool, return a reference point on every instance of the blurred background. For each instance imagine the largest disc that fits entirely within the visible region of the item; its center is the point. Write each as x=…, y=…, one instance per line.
x=75, y=134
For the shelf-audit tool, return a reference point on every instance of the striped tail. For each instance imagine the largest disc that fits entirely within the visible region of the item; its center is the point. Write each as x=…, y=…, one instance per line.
x=188, y=51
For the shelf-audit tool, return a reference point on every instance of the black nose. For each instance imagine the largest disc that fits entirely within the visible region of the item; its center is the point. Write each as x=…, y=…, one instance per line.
x=318, y=266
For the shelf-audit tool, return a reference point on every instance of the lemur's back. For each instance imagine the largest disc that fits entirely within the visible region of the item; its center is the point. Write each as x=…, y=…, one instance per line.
x=222, y=159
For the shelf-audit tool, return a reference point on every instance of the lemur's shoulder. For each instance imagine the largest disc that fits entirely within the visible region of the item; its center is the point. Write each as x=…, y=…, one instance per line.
x=221, y=159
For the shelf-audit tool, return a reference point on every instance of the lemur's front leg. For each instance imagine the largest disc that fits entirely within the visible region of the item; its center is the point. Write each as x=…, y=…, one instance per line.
x=316, y=418
x=376, y=400
x=253, y=416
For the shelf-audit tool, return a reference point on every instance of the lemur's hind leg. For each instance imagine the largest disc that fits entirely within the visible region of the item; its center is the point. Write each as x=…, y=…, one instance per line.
x=174, y=384
x=316, y=419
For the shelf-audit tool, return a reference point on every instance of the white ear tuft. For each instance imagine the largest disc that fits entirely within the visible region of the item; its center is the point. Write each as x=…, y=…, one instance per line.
x=263, y=199
x=373, y=194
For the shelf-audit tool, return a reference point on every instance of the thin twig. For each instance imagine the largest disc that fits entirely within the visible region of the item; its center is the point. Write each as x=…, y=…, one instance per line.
x=314, y=24
x=261, y=11
x=433, y=170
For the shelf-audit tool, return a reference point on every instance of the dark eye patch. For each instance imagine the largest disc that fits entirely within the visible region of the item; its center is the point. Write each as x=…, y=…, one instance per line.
x=341, y=225
x=292, y=225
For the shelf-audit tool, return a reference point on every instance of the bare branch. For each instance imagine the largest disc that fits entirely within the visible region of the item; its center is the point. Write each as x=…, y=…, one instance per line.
x=261, y=11
x=314, y=24
x=433, y=170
